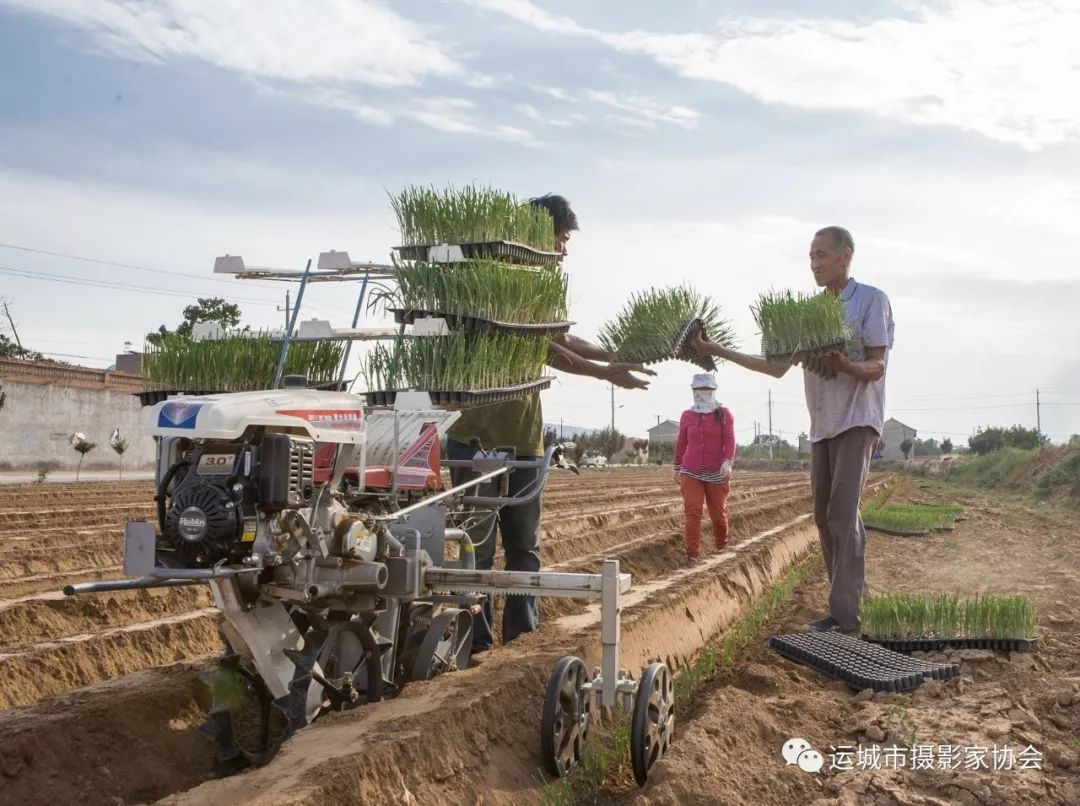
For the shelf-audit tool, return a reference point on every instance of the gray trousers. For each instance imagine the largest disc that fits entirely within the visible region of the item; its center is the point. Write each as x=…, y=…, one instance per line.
x=838, y=469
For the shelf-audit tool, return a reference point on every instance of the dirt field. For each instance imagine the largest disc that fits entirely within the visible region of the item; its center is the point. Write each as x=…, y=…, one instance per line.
x=102, y=693
x=728, y=743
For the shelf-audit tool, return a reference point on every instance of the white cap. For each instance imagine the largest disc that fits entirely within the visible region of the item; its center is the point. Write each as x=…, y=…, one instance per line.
x=703, y=380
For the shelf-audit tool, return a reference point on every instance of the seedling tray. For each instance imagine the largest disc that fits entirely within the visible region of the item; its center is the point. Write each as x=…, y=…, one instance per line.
x=154, y=396
x=464, y=399
x=936, y=644
x=478, y=324
x=507, y=251
x=677, y=349
x=859, y=664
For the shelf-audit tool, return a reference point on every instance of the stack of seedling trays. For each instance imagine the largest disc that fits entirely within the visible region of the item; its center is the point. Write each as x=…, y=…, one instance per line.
x=658, y=325
x=859, y=664
x=486, y=264
x=801, y=329
x=238, y=361
x=910, y=623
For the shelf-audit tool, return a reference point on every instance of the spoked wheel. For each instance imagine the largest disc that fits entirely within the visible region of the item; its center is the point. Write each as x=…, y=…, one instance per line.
x=654, y=720
x=242, y=723
x=446, y=646
x=565, y=725
x=350, y=657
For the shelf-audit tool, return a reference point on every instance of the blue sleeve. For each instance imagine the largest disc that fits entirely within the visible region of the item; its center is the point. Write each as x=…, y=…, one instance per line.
x=877, y=322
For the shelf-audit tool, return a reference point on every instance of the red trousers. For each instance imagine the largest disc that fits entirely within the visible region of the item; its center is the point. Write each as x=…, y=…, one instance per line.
x=714, y=496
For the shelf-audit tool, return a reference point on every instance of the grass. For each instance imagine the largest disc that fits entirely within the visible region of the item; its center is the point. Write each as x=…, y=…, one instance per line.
x=238, y=362
x=912, y=518
x=791, y=323
x=481, y=288
x=607, y=753
x=648, y=326
x=458, y=362
x=947, y=616
x=1051, y=471
x=471, y=214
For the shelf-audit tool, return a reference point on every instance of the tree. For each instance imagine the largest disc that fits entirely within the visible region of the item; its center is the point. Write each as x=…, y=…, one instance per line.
x=996, y=438
x=11, y=349
x=207, y=309
x=120, y=445
x=83, y=446
x=906, y=447
x=946, y=446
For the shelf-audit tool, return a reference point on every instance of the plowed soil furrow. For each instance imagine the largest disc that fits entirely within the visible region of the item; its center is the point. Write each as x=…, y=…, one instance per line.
x=40, y=670
x=45, y=583
x=131, y=739
x=47, y=561
x=466, y=751
x=14, y=548
x=13, y=495
x=469, y=751
x=53, y=616
x=83, y=516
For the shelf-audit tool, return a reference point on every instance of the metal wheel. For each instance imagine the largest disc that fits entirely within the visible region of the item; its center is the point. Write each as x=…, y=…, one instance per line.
x=446, y=646
x=653, y=721
x=351, y=656
x=242, y=722
x=565, y=725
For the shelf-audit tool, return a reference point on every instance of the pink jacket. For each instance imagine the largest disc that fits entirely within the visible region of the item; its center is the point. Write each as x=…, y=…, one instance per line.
x=704, y=444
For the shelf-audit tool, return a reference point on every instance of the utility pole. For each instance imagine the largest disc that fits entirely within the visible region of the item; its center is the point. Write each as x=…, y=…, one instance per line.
x=287, y=308
x=613, y=408
x=11, y=321
x=770, y=426
x=560, y=429
x=1038, y=405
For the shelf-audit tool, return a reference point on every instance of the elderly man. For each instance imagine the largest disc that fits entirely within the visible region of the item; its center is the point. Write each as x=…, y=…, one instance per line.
x=846, y=417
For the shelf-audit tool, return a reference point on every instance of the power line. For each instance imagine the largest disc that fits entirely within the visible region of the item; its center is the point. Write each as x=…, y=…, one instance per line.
x=68, y=279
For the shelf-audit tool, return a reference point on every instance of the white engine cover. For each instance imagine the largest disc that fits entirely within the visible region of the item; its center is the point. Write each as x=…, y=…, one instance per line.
x=336, y=417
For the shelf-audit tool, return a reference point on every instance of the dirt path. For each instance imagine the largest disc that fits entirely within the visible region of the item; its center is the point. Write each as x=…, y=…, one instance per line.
x=727, y=748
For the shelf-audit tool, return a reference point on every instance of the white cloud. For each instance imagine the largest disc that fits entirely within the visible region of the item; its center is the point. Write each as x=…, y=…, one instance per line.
x=303, y=41
x=1008, y=71
x=646, y=111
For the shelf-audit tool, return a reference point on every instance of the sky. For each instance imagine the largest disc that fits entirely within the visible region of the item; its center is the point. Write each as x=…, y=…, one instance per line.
x=699, y=142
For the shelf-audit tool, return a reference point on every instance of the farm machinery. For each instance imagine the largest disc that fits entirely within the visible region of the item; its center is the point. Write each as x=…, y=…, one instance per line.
x=342, y=565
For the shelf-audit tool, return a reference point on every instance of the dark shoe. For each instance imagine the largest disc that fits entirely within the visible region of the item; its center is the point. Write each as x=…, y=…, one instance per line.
x=827, y=624
x=691, y=562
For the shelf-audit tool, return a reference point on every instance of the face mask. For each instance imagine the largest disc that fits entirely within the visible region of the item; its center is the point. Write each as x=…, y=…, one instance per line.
x=704, y=401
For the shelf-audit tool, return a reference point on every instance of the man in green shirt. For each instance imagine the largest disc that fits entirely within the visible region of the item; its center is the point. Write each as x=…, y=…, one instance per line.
x=519, y=424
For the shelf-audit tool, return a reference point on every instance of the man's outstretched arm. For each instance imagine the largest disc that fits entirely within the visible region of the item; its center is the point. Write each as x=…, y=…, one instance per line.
x=566, y=360
x=703, y=346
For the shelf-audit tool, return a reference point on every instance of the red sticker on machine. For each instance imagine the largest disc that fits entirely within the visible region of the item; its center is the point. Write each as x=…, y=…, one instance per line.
x=335, y=419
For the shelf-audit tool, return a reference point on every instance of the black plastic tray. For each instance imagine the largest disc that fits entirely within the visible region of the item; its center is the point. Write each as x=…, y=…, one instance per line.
x=477, y=324
x=508, y=251
x=935, y=644
x=859, y=664
x=463, y=399
x=155, y=396
x=677, y=350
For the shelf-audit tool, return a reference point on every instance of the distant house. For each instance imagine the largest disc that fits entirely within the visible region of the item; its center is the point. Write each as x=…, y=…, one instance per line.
x=664, y=433
x=892, y=435
x=804, y=444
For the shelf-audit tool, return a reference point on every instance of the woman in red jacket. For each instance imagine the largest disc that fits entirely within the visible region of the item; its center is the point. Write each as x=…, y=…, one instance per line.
x=703, y=456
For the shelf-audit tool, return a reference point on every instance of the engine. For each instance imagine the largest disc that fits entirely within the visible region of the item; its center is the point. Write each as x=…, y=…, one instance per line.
x=221, y=489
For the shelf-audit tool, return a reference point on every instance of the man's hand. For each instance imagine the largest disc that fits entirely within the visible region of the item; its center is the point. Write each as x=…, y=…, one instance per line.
x=622, y=375
x=701, y=345
x=836, y=362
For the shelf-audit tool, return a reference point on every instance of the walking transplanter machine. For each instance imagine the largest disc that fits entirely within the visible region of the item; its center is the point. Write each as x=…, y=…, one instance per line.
x=343, y=567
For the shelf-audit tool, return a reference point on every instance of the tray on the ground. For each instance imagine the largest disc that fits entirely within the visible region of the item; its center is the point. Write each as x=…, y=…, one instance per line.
x=464, y=398
x=475, y=324
x=860, y=664
x=936, y=644
x=507, y=251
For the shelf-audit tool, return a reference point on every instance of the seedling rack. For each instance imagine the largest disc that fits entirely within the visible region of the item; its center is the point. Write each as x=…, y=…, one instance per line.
x=479, y=324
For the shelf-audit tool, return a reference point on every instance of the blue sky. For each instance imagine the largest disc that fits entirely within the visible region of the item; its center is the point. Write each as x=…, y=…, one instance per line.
x=699, y=142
